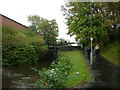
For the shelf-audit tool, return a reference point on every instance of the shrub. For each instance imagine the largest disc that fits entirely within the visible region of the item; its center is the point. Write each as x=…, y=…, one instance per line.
x=28, y=33
x=56, y=76
x=20, y=56
x=39, y=45
x=18, y=47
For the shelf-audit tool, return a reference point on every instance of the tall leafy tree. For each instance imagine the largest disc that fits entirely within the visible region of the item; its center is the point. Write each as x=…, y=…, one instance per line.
x=80, y=15
x=34, y=21
x=47, y=28
x=111, y=18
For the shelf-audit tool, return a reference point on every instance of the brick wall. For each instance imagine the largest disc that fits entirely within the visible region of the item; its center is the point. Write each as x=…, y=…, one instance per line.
x=9, y=22
x=0, y=20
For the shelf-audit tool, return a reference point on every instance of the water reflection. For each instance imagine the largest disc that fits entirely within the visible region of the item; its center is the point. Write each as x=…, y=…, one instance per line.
x=21, y=76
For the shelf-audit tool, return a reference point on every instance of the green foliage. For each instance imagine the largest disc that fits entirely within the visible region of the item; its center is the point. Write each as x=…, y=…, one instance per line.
x=62, y=73
x=20, y=56
x=29, y=33
x=39, y=45
x=56, y=76
x=62, y=63
x=83, y=41
x=18, y=47
x=111, y=53
x=98, y=19
x=79, y=64
x=47, y=28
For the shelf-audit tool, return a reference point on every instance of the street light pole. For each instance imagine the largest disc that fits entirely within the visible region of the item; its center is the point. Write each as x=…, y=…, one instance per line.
x=91, y=39
x=91, y=53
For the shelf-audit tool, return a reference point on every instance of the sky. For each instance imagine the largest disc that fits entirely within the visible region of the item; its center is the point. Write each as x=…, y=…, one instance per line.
x=18, y=10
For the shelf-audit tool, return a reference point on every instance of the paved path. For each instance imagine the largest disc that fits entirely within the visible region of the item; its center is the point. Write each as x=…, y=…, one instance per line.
x=106, y=74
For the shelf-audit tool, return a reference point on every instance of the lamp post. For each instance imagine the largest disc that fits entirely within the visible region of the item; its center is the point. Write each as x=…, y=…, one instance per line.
x=91, y=53
x=91, y=39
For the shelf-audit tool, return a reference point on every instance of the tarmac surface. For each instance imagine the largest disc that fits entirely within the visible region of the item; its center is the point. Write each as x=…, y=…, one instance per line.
x=106, y=74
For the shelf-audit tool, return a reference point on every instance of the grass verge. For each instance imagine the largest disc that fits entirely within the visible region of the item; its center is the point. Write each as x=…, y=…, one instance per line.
x=110, y=52
x=79, y=65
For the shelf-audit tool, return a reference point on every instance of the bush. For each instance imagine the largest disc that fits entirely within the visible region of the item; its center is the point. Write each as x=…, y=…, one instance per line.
x=20, y=56
x=39, y=45
x=56, y=76
x=18, y=47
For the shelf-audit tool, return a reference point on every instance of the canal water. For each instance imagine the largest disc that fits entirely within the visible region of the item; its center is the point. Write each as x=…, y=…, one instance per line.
x=21, y=76
x=24, y=76
x=106, y=74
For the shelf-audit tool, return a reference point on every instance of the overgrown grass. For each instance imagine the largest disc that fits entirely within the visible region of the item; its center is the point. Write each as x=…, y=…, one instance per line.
x=56, y=75
x=110, y=52
x=79, y=65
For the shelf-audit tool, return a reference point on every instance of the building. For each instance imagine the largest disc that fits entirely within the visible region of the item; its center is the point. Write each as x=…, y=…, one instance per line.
x=5, y=21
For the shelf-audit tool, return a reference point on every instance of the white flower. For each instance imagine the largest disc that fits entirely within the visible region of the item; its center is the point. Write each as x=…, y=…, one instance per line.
x=50, y=75
x=77, y=73
x=53, y=69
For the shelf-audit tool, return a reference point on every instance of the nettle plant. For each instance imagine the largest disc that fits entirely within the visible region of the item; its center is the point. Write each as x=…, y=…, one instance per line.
x=56, y=76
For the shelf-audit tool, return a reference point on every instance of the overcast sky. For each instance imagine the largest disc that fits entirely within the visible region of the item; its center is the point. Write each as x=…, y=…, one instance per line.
x=18, y=10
